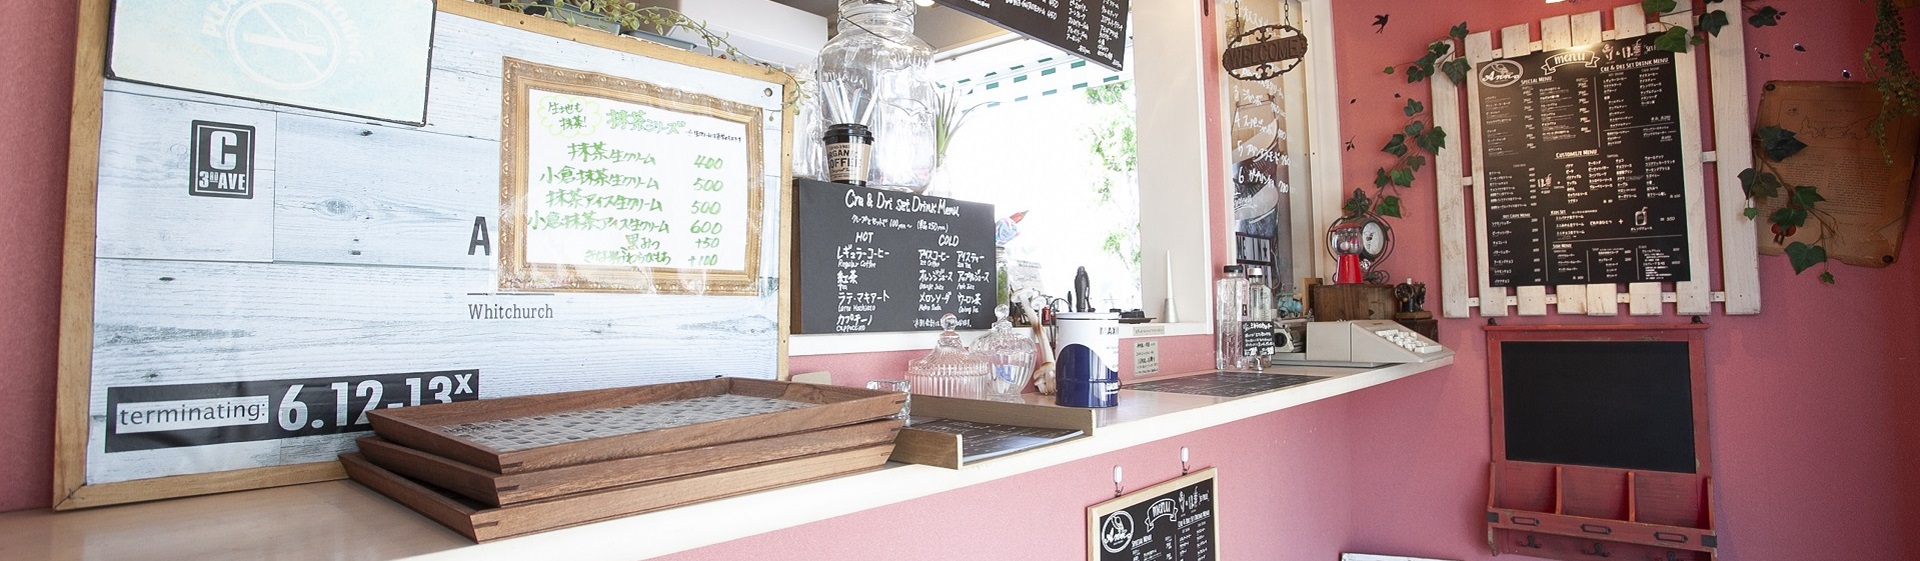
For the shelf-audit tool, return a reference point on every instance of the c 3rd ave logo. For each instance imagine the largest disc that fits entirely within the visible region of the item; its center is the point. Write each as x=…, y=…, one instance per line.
x=222, y=163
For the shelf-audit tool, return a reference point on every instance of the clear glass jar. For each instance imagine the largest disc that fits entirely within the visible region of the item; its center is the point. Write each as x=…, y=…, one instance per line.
x=1009, y=354
x=950, y=370
x=875, y=72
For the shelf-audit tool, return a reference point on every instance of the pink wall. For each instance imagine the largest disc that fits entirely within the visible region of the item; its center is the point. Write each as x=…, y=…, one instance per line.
x=1816, y=456
x=36, y=76
x=1815, y=429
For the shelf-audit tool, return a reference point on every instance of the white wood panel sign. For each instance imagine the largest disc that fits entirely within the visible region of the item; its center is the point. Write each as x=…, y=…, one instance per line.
x=247, y=279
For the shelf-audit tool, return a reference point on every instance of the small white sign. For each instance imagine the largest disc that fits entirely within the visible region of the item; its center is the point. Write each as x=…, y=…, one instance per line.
x=359, y=57
x=1146, y=357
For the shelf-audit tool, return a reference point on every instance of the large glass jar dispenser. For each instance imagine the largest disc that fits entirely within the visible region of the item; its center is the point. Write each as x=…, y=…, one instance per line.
x=874, y=72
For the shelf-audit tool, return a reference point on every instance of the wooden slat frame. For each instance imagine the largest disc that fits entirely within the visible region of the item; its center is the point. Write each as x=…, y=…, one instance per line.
x=1731, y=131
x=1493, y=301
x=1739, y=244
x=1450, y=183
x=73, y=386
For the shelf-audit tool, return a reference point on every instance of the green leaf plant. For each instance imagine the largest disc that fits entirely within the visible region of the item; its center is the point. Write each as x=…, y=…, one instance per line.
x=1440, y=57
x=1679, y=38
x=1886, y=64
x=1798, y=202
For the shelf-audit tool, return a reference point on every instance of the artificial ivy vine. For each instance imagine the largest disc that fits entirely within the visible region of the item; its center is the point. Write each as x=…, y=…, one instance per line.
x=1886, y=64
x=1388, y=180
x=1773, y=145
x=1678, y=38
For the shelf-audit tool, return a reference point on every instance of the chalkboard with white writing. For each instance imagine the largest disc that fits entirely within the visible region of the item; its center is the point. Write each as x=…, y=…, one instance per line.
x=1583, y=166
x=871, y=260
x=1095, y=30
x=1172, y=521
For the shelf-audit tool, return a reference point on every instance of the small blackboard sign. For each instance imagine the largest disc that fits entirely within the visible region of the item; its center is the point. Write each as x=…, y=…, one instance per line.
x=1172, y=521
x=871, y=260
x=1584, y=174
x=1617, y=404
x=1257, y=338
x=1095, y=30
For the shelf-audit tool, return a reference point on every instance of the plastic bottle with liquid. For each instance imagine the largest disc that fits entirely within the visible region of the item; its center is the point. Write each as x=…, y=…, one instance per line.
x=1229, y=305
x=1258, y=323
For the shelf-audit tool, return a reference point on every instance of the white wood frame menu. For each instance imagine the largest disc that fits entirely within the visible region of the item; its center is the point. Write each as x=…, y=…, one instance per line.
x=1463, y=194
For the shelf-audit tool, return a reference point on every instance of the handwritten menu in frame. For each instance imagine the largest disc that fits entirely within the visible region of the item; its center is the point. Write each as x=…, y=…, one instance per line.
x=872, y=260
x=1095, y=30
x=617, y=185
x=1174, y=521
x=1582, y=171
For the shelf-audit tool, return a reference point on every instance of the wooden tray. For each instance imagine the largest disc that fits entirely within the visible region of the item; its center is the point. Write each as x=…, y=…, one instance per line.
x=944, y=449
x=482, y=523
x=496, y=489
x=437, y=429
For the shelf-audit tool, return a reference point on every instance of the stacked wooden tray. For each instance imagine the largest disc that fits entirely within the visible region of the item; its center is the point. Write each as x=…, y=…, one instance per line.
x=498, y=468
x=954, y=433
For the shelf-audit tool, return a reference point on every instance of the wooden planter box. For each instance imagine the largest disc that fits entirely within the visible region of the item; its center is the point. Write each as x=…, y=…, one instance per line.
x=454, y=430
x=496, y=489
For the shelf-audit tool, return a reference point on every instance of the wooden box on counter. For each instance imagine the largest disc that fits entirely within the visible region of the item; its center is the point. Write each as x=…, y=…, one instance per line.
x=1338, y=302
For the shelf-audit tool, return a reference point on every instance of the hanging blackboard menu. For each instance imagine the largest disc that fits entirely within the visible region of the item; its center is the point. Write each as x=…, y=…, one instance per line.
x=872, y=260
x=1582, y=159
x=1095, y=30
x=1172, y=521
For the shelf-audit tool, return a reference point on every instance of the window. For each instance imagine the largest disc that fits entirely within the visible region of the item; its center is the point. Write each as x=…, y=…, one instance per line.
x=1049, y=141
x=1177, y=232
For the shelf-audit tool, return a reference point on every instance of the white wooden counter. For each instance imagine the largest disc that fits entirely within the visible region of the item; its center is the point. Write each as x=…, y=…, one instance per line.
x=354, y=523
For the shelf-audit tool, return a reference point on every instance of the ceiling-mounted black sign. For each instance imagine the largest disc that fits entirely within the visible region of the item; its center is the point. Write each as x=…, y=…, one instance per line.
x=1264, y=52
x=1095, y=30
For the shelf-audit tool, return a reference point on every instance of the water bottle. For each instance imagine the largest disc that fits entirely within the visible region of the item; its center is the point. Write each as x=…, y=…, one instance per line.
x=1229, y=304
x=1258, y=325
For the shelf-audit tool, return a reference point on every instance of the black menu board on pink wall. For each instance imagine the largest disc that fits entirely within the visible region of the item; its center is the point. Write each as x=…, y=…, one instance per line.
x=871, y=260
x=1095, y=30
x=1583, y=175
x=1174, y=521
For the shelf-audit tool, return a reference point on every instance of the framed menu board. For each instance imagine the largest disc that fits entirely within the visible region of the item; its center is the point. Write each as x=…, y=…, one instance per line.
x=596, y=202
x=1583, y=166
x=1178, y=520
x=247, y=280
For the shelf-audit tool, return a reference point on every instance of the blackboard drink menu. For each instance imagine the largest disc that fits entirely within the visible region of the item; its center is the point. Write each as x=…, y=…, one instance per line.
x=872, y=260
x=1172, y=521
x=1583, y=181
x=1095, y=30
